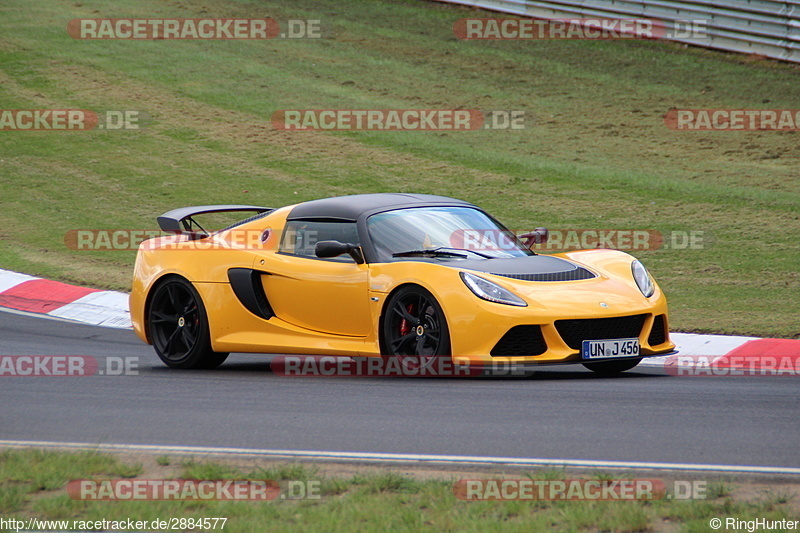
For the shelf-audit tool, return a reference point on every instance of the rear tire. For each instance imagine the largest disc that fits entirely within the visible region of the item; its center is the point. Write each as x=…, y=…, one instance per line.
x=610, y=368
x=178, y=326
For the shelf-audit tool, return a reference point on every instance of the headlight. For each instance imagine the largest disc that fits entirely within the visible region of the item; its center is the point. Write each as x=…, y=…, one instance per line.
x=642, y=278
x=483, y=288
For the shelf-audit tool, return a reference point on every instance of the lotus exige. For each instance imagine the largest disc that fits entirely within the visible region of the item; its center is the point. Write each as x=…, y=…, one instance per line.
x=388, y=275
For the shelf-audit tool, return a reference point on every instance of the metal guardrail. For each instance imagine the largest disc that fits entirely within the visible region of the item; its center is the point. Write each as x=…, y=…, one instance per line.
x=765, y=27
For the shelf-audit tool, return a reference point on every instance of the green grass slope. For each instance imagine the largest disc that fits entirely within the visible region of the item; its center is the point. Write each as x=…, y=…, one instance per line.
x=595, y=152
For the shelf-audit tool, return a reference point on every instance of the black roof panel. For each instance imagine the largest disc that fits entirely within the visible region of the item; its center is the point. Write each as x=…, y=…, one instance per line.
x=351, y=207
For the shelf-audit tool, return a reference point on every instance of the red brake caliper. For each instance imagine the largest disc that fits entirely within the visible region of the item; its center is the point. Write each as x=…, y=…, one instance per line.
x=405, y=327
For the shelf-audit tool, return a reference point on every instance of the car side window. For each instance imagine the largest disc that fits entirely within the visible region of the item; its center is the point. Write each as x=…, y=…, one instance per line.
x=300, y=237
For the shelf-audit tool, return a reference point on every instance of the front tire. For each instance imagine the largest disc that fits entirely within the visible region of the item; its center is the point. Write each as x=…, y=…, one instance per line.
x=178, y=326
x=414, y=328
x=610, y=368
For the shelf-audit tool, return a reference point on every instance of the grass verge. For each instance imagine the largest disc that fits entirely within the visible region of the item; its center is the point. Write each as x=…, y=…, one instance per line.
x=33, y=484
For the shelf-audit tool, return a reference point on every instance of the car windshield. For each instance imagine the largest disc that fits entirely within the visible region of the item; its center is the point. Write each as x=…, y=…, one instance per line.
x=448, y=233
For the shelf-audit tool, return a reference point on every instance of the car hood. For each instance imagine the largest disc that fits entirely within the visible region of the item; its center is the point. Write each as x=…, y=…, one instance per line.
x=528, y=268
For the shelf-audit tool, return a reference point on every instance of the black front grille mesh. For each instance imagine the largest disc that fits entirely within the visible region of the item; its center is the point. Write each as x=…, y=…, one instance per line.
x=569, y=275
x=574, y=332
x=521, y=340
x=658, y=335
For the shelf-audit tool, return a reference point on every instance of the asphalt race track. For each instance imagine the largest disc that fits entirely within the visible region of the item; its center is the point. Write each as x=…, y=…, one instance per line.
x=560, y=413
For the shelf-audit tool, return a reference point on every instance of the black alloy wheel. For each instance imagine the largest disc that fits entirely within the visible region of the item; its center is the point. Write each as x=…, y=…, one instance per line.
x=178, y=326
x=414, y=328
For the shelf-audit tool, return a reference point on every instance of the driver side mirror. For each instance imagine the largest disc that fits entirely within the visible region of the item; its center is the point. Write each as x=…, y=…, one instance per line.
x=326, y=249
x=537, y=236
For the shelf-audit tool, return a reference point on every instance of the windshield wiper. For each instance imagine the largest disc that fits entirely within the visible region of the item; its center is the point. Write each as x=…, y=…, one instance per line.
x=442, y=251
x=487, y=256
x=436, y=252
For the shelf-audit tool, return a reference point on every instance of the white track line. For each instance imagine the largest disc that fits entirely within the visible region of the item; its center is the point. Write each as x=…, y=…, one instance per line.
x=39, y=315
x=403, y=457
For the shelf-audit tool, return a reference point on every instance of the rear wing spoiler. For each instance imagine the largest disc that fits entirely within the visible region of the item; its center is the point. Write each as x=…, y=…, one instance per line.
x=180, y=220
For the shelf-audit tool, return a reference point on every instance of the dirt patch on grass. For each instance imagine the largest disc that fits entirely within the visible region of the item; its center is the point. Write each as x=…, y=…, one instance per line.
x=243, y=133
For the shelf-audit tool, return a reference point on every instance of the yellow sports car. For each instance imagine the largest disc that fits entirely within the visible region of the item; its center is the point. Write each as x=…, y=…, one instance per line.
x=406, y=276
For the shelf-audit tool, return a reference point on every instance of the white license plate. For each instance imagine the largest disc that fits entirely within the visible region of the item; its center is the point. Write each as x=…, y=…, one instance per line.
x=610, y=348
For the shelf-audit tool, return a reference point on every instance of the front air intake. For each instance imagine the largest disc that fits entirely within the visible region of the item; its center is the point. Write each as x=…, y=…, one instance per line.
x=574, y=332
x=658, y=333
x=569, y=275
x=521, y=340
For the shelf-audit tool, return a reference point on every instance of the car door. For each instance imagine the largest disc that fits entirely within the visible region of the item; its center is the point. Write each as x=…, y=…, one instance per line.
x=325, y=295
